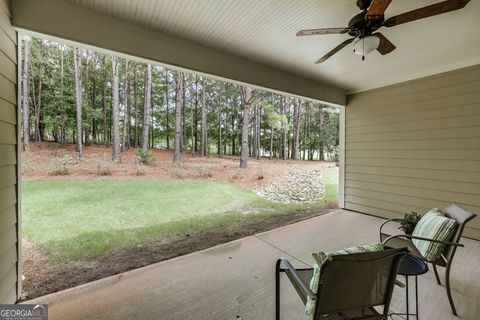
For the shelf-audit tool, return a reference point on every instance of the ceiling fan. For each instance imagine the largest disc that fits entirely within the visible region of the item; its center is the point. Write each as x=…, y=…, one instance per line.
x=363, y=26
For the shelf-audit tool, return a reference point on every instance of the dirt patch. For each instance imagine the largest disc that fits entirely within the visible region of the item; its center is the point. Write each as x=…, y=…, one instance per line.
x=41, y=277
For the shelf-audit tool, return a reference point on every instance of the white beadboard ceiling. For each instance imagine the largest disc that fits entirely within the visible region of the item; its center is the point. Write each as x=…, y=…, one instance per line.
x=264, y=31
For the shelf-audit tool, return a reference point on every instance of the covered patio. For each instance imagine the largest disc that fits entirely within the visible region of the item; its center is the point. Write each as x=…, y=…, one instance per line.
x=409, y=140
x=236, y=280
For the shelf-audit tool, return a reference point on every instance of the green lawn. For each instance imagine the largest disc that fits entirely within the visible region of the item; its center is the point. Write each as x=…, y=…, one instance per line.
x=76, y=219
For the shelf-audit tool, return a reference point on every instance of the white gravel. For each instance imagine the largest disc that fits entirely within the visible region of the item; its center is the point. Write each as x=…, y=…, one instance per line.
x=298, y=186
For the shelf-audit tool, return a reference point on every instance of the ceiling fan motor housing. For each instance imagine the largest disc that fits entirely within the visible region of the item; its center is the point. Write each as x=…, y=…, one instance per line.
x=363, y=4
x=359, y=26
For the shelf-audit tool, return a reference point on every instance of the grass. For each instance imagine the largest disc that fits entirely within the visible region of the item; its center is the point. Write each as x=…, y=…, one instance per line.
x=78, y=219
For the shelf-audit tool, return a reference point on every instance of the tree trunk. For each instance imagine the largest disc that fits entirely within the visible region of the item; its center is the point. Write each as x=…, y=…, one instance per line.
x=259, y=120
x=78, y=91
x=220, y=143
x=284, y=129
x=234, y=151
x=62, y=104
x=135, y=102
x=321, y=134
x=94, y=105
x=178, y=117
x=296, y=129
x=126, y=116
x=168, y=109
x=104, y=104
x=184, y=131
x=146, y=107
x=196, y=113
x=26, y=94
x=86, y=85
x=38, y=104
x=247, y=100
x=271, y=143
x=115, y=120
x=203, y=141
x=192, y=131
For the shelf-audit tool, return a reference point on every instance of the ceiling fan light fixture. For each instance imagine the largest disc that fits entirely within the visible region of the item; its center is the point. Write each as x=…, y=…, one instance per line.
x=365, y=45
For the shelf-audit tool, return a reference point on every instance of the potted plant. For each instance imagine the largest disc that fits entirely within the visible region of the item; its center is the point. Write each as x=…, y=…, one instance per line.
x=409, y=222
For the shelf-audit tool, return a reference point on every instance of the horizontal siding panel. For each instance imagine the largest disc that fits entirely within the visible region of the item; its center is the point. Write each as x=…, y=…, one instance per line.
x=369, y=209
x=414, y=135
x=7, y=68
x=438, y=92
x=8, y=155
x=8, y=90
x=469, y=231
x=8, y=197
x=414, y=182
x=6, y=26
x=7, y=111
x=8, y=47
x=465, y=165
x=8, y=176
x=440, y=144
x=421, y=88
x=7, y=283
x=405, y=203
x=7, y=240
x=416, y=115
x=8, y=261
x=473, y=233
x=8, y=133
x=5, y=6
x=472, y=120
x=423, y=104
x=416, y=154
x=415, y=196
x=8, y=218
x=444, y=175
x=398, y=208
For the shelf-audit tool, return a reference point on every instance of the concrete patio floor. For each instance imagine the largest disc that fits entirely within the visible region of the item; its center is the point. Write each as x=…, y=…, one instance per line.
x=236, y=280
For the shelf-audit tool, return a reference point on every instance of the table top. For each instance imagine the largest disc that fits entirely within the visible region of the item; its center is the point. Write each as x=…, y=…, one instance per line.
x=412, y=266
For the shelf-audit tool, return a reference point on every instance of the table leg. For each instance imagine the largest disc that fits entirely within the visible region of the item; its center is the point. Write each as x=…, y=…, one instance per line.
x=406, y=290
x=416, y=296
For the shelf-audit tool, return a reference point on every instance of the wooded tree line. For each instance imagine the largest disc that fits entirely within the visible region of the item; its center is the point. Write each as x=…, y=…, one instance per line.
x=74, y=95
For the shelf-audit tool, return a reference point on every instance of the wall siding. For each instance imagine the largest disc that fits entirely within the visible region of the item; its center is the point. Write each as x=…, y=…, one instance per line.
x=9, y=243
x=415, y=146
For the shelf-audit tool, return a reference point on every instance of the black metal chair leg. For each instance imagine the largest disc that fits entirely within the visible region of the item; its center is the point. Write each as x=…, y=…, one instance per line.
x=436, y=274
x=449, y=293
x=277, y=290
x=416, y=297
x=406, y=290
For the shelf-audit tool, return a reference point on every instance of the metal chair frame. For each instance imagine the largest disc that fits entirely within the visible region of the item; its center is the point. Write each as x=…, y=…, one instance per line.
x=462, y=217
x=304, y=291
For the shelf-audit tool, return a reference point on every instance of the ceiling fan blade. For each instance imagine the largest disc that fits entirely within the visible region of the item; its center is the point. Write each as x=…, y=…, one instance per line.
x=377, y=9
x=334, y=50
x=385, y=45
x=425, y=12
x=313, y=32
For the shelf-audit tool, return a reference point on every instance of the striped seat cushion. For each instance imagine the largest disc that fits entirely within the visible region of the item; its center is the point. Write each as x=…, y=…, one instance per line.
x=320, y=257
x=433, y=225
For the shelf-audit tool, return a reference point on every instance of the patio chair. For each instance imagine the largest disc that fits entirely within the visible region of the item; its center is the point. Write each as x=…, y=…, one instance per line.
x=350, y=285
x=454, y=212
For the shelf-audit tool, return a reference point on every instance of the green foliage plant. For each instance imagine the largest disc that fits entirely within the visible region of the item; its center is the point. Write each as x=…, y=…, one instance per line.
x=144, y=157
x=409, y=222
